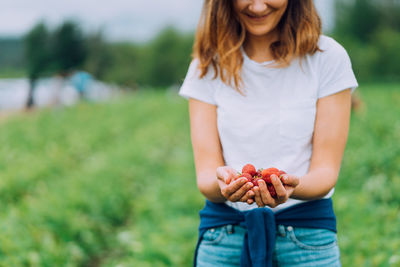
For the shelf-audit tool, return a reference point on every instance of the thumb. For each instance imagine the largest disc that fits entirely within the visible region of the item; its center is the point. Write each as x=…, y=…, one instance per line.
x=290, y=180
x=226, y=174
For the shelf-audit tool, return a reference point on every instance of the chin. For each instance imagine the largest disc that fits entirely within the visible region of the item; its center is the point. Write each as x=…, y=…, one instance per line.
x=259, y=32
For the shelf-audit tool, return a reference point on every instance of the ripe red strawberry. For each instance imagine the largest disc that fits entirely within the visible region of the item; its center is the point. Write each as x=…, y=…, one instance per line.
x=266, y=174
x=271, y=190
x=250, y=169
x=253, y=176
x=255, y=181
x=267, y=180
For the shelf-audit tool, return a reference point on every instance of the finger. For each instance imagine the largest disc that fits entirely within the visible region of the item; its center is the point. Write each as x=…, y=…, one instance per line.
x=257, y=196
x=244, y=198
x=249, y=194
x=234, y=186
x=235, y=176
x=221, y=178
x=289, y=191
x=225, y=179
x=250, y=201
x=232, y=175
x=241, y=192
x=225, y=174
x=290, y=180
x=226, y=190
x=265, y=195
x=281, y=193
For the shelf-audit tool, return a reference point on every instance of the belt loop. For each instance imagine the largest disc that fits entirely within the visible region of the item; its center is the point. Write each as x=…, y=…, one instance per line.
x=281, y=230
x=229, y=228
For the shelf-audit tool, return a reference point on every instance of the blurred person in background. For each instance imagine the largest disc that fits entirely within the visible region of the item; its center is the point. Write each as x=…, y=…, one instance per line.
x=266, y=87
x=81, y=81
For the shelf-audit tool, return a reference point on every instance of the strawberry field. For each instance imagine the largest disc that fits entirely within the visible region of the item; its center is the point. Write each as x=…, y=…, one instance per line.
x=113, y=184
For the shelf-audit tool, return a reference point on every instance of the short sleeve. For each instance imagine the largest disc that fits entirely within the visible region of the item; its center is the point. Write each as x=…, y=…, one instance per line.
x=201, y=89
x=335, y=70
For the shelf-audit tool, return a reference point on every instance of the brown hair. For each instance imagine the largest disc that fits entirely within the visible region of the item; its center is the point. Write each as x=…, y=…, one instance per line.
x=220, y=36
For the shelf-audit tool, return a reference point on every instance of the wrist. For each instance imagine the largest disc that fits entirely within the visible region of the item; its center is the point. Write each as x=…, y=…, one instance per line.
x=212, y=190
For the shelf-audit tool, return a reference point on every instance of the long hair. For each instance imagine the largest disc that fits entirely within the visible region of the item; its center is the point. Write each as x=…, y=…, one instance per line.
x=220, y=36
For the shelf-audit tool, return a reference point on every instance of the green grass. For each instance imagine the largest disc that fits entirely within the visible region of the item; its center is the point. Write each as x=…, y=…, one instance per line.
x=367, y=196
x=113, y=184
x=12, y=73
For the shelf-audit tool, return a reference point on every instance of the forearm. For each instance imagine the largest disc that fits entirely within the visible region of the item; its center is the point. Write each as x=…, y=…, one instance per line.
x=316, y=184
x=207, y=183
x=329, y=141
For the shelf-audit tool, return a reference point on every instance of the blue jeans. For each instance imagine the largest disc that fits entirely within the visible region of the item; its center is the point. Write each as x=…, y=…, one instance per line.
x=300, y=247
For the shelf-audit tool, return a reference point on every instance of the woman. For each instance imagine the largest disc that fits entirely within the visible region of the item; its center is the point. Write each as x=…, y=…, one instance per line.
x=265, y=87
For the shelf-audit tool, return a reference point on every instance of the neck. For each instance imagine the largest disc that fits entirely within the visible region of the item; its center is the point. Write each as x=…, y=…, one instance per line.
x=258, y=47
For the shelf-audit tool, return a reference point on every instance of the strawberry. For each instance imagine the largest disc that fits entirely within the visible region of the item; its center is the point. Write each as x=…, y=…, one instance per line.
x=255, y=181
x=266, y=174
x=267, y=180
x=248, y=176
x=253, y=176
x=271, y=190
x=250, y=169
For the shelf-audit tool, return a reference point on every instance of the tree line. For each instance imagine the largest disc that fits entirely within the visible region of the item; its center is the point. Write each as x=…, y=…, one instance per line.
x=159, y=63
x=368, y=29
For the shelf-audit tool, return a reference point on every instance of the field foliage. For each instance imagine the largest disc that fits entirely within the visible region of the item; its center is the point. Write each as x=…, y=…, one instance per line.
x=113, y=184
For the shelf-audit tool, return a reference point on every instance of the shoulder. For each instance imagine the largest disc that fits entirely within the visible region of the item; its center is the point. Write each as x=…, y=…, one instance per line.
x=195, y=86
x=333, y=67
x=194, y=73
x=331, y=55
x=193, y=70
x=328, y=43
x=194, y=65
x=330, y=49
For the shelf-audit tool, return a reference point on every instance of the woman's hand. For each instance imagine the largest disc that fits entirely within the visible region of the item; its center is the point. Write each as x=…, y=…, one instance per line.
x=234, y=189
x=283, y=191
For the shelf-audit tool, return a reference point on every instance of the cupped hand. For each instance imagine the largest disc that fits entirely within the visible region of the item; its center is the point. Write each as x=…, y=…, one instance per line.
x=234, y=188
x=283, y=191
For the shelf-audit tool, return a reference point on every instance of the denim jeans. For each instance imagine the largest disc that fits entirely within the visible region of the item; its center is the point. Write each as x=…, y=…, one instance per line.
x=300, y=247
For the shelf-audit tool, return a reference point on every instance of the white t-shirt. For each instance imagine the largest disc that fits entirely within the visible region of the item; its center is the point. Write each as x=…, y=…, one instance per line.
x=273, y=124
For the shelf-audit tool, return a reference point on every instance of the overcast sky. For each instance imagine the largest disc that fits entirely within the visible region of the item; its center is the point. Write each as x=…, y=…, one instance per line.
x=136, y=20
